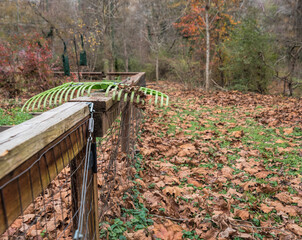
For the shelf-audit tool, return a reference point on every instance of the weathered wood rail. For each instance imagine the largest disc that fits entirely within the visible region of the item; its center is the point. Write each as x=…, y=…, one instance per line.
x=23, y=145
x=99, y=75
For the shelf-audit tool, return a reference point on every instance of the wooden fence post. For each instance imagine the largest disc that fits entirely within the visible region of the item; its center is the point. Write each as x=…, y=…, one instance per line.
x=125, y=125
x=95, y=192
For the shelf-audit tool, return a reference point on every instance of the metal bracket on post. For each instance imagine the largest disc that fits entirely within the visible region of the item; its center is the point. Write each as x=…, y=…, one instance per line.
x=91, y=119
x=78, y=235
x=93, y=158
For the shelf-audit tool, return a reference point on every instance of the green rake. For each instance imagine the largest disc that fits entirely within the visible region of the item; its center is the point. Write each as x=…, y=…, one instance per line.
x=67, y=91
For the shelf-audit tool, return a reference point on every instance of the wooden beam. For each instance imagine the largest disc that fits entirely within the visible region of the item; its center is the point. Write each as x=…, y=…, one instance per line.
x=19, y=143
x=138, y=79
x=106, y=110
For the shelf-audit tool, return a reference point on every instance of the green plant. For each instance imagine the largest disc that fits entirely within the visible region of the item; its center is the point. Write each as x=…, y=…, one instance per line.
x=43, y=233
x=190, y=235
x=13, y=116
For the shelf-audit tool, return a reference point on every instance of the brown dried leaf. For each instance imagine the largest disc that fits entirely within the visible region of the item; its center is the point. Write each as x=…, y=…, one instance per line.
x=288, y=131
x=140, y=234
x=243, y=214
x=227, y=172
x=262, y=174
x=186, y=150
x=168, y=231
x=265, y=208
x=176, y=191
x=296, y=229
x=237, y=134
x=284, y=197
x=227, y=233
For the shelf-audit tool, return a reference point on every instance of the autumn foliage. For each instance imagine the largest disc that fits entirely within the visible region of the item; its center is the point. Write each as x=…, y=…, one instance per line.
x=192, y=25
x=205, y=25
x=25, y=64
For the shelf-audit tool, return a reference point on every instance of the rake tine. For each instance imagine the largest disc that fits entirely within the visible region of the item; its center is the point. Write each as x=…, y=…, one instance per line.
x=57, y=95
x=162, y=100
x=114, y=92
x=80, y=90
x=119, y=95
x=45, y=99
x=89, y=89
x=73, y=91
x=108, y=90
x=156, y=98
x=51, y=97
x=28, y=102
x=132, y=96
x=41, y=99
x=125, y=97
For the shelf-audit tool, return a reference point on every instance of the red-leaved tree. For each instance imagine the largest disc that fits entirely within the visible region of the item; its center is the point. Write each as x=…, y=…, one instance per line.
x=25, y=64
x=205, y=24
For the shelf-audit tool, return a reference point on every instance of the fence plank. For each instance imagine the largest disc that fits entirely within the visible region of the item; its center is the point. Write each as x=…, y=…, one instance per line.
x=19, y=143
x=18, y=194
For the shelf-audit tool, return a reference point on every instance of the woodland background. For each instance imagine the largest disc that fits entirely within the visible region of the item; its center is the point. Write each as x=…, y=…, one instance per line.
x=246, y=45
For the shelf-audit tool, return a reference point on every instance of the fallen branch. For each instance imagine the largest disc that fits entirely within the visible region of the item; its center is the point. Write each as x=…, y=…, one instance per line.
x=170, y=218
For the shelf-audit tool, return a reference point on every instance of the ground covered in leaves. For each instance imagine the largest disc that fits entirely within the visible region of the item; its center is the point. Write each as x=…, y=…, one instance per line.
x=222, y=165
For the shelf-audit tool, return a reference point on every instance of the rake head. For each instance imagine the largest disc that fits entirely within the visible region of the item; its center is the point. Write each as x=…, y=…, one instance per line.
x=67, y=91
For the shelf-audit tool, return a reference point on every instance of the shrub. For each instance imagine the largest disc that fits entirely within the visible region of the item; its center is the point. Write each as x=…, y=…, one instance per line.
x=248, y=56
x=25, y=64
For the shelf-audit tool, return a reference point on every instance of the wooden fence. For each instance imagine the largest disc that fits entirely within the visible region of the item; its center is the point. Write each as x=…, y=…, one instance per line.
x=33, y=153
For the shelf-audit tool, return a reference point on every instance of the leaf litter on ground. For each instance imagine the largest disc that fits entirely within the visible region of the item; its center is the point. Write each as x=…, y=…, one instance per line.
x=221, y=165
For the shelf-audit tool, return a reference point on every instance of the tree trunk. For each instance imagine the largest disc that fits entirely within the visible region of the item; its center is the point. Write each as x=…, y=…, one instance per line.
x=299, y=19
x=290, y=87
x=18, y=16
x=126, y=57
x=157, y=68
x=207, y=83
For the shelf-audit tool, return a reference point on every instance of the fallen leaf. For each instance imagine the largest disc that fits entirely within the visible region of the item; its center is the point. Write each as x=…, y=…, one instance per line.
x=294, y=228
x=186, y=150
x=284, y=197
x=227, y=233
x=168, y=231
x=288, y=131
x=194, y=182
x=138, y=235
x=265, y=208
x=176, y=191
x=237, y=134
x=262, y=174
x=141, y=182
x=280, y=141
x=227, y=172
x=290, y=210
x=28, y=218
x=243, y=214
